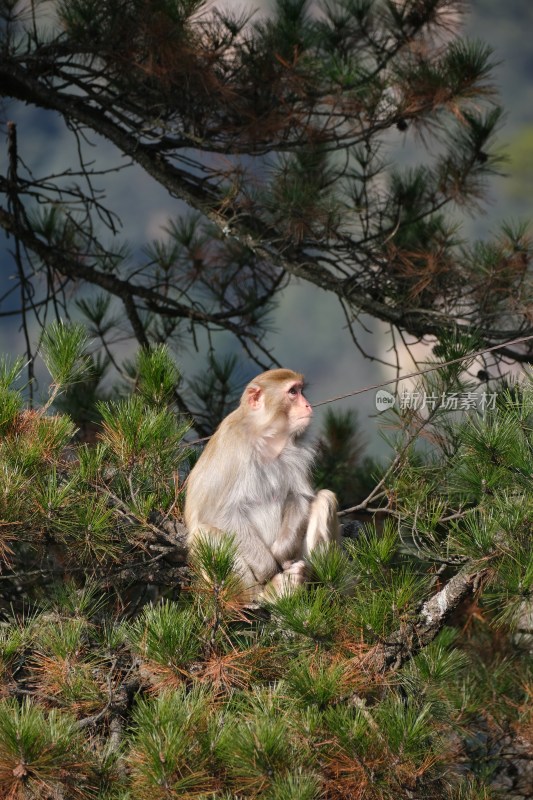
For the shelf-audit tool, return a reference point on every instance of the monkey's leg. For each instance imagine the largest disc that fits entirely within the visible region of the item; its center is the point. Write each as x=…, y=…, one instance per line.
x=287, y=546
x=261, y=577
x=254, y=562
x=257, y=558
x=323, y=526
x=257, y=564
x=296, y=540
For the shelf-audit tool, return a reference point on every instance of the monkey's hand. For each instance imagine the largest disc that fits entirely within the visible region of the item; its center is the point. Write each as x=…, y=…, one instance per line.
x=294, y=574
x=295, y=569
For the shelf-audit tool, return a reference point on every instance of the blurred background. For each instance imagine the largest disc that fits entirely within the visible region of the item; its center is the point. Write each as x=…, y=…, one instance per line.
x=307, y=330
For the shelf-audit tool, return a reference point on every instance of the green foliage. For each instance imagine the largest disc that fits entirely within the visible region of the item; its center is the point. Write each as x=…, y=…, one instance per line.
x=69, y=599
x=311, y=618
x=214, y=561
x=511, y=595
x=132, y=676
x=87, y=503
x=145, y=446
x=170, y=749
x=331, y=567
x=167, y=634
x=306, y=110
x=158, y=376
x=302, y=199
x=133, y=431
x=35, y=440
x=439, y=663
x=372, y=551
x=393, y=597
x=409, y=728
x=42, y=752
x=258, y=750
x=10, y=400
x=294, y=786
x=60, y=637
x=63, y=351
x=316, y=681
x=80, y=399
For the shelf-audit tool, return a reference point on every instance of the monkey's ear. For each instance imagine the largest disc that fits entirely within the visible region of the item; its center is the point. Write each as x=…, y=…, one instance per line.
x=254, y=396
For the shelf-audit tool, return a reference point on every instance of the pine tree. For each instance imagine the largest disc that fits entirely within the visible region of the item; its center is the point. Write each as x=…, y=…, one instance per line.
x=277, y=134
x=402, y=670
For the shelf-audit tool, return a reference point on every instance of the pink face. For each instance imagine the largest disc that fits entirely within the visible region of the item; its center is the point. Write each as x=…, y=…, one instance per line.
x=299, y=409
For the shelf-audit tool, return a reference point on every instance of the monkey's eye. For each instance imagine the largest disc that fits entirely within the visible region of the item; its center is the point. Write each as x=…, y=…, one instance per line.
x=293, y=390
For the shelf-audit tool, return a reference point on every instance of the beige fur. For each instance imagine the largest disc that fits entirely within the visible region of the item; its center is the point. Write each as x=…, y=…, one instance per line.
x=252, y=481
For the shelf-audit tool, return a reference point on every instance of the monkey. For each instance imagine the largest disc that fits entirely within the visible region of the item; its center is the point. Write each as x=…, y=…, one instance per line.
x=252, y=481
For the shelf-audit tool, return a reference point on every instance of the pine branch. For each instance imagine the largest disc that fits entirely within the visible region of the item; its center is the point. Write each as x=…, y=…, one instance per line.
x=127, y=291
x=410, y=639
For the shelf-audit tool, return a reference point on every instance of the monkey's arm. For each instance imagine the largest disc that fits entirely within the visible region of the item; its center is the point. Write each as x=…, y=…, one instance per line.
x=308, y=522
x=323, y=525
x=289, y=541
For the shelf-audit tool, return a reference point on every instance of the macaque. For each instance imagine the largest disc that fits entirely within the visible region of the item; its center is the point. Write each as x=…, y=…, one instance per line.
x=252, y=481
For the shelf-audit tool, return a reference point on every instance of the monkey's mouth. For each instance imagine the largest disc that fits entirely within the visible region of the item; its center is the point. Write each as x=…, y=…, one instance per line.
x=301, y=425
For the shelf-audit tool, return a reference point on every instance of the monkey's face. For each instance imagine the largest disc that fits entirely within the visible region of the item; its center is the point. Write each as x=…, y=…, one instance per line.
x=275, y=402
x=299, y=411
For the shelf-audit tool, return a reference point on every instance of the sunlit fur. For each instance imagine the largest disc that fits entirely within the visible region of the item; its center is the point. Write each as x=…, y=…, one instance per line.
x=252, y=481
